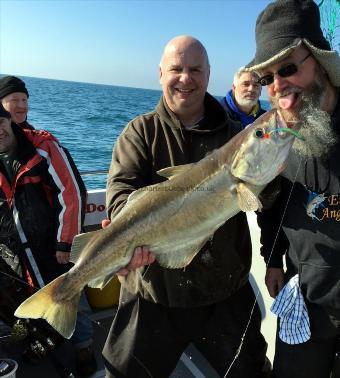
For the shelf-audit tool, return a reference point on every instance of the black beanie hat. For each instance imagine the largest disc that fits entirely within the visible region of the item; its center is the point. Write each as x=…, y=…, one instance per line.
x=4, y=113
x=11, y=84
x=285, y=24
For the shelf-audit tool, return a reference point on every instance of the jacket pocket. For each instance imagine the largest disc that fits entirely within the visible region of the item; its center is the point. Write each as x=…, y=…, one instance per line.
x=320, y=284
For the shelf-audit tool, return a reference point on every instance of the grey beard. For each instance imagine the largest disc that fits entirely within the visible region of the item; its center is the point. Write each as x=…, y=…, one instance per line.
x=246, y=102
x=316, y=129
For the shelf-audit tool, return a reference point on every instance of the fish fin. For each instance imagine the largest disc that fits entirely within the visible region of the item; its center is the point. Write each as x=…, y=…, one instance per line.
x=170, y=172
x=138, y=193
x=100, y=282
x=61, y=315
x=180, y=257
x=246, y=199
x=78, y=244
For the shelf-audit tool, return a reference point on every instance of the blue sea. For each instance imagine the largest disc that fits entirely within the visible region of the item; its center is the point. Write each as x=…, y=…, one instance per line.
x=86, y=118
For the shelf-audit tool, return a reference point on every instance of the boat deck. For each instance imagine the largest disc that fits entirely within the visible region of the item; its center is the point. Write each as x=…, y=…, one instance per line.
x=191, y=364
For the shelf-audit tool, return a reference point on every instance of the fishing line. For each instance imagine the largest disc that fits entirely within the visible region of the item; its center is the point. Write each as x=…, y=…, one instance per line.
x=258, y=290
x=288, y=130
x=284, y=212
x=146, y=270
x=18, y=279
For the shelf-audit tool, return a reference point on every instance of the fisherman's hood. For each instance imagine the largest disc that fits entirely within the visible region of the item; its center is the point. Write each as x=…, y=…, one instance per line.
x=283, y=26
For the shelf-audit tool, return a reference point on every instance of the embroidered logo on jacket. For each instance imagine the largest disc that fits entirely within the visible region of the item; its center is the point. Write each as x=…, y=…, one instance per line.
x=321, y=207
x=314, y=202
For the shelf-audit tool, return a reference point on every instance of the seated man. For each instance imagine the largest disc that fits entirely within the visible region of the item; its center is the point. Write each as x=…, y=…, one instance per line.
x=42, y=206
x=242, y=103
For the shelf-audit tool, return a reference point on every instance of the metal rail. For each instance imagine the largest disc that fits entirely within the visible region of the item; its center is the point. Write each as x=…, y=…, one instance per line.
x=96, y=172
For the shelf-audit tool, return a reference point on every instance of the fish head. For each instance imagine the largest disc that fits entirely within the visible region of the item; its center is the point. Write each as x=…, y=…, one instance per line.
x=261, y=149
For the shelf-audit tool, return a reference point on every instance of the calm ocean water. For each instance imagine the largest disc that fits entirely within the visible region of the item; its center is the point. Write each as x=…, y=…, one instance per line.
x=86, y=118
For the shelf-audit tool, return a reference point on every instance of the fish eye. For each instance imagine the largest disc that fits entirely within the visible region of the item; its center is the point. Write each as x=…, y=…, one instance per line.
x=259, y=133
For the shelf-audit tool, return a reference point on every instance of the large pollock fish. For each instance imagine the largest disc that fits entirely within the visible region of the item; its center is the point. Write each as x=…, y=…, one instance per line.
x=174, y=218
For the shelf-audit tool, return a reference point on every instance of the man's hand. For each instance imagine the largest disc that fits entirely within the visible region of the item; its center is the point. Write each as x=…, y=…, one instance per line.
x=274, y=281
x=141, y=256
x=62, y=257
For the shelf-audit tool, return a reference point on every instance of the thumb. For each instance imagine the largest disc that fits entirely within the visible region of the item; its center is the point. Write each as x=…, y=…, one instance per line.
x=105, y=223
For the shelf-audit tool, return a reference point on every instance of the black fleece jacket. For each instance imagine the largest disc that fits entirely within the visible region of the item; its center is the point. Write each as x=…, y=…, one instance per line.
x=310, y=232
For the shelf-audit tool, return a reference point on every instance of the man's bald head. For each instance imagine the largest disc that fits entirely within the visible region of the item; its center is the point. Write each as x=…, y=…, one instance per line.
x=183, y=43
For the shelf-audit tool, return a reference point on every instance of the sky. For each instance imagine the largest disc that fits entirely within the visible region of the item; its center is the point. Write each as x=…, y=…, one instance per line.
x=120, y=42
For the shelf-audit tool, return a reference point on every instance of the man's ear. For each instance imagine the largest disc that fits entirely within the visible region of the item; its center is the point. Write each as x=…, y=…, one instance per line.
x=160, y=73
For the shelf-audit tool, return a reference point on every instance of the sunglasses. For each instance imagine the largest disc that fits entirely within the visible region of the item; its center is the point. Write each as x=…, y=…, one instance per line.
x=285, y=71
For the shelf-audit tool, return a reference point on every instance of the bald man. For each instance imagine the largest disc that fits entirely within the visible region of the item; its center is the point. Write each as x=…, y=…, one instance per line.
x=209, y=302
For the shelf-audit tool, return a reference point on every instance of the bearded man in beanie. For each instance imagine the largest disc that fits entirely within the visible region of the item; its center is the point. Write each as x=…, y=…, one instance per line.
x=302, y=75
x=14, y=98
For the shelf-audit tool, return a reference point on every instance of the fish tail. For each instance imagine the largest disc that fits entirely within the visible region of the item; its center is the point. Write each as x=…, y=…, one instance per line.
x=61, y=315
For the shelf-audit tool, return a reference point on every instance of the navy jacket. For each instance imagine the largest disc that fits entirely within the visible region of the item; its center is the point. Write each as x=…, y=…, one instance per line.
x=236, y=114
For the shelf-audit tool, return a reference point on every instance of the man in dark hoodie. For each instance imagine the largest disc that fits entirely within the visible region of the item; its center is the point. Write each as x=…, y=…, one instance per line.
x=14, y=98
x=42, y=208
x=209, y=302
x=302, y=74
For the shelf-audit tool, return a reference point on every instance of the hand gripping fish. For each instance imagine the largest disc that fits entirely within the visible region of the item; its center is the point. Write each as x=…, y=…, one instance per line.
x=174, y=218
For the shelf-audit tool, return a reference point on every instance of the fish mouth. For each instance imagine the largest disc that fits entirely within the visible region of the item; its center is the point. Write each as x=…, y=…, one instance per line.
x=280, y=121
x=285, y=129
x=281, y=125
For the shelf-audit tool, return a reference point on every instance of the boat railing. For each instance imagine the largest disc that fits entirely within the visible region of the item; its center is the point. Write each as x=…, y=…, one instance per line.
x=95, y=172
